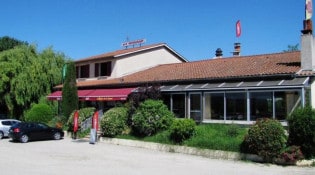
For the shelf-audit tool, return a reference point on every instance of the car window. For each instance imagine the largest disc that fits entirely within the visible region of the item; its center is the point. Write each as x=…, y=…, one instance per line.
x=7, y=123
x=42, y=126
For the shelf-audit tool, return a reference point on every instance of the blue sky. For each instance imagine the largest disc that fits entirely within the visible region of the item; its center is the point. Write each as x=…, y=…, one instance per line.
x=194, y=28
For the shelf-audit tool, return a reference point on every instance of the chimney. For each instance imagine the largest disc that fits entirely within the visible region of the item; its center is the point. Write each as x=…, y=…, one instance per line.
x=218, y=53
x=237, y=49
x=307, y=46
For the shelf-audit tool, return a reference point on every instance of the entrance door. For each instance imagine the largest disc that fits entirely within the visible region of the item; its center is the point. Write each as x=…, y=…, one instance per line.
x=195, y=106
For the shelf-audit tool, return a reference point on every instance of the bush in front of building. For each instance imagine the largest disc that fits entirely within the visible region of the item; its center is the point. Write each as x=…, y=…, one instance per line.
x=182, y=129
x=301, y=126
x=266, y=138
x=151, y=117
x=114, y=121
x=39, y=113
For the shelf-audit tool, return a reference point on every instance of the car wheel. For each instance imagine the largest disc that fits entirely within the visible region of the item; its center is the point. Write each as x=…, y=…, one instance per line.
x=1, y=134
x=57, y=135
x=24, y=138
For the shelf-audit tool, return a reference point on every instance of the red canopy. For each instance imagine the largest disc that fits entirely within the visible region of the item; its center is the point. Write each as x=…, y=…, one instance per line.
x=97, y=94
x=55, y=95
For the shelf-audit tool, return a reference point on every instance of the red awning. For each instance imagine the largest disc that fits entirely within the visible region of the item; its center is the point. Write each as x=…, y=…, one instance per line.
x=108, y=94
x=55, y=96
x=97, y=94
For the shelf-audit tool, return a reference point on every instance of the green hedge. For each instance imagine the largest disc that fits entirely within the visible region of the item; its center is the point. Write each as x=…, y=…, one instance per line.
x=182, y=129
x=114, y=121
x=151, y=117
x=265, y=138
x=39, y=113
x=302, y=130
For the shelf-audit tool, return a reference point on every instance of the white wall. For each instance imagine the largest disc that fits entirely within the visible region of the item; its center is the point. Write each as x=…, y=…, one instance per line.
x=141, y=61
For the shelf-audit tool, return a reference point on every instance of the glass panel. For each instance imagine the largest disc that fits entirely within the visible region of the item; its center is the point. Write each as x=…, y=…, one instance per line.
x=195, y=107
x=261, y=105
x=179, y=105
x=286, y=102
x=214, y=106
x=167, y=100
x=236, y=106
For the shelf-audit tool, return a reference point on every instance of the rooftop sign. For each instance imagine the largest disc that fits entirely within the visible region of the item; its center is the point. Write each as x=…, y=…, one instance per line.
x=132, y=43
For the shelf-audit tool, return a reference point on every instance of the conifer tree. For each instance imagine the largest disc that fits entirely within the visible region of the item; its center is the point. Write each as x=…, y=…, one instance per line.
x=69, y=91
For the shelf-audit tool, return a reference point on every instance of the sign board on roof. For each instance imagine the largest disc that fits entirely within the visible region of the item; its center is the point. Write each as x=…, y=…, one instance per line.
x=132, y=43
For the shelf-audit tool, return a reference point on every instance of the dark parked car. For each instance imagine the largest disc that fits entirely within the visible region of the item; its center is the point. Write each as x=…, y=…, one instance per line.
x=26, y=131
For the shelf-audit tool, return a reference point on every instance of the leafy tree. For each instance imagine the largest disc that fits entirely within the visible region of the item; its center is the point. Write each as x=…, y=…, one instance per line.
x=7, y=43
x=292, y=48
x=69, y=92
x=27, y=75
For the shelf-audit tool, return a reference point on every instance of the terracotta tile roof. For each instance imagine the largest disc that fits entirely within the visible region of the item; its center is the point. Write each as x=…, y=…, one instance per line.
x=212, y=69
x=117, y=53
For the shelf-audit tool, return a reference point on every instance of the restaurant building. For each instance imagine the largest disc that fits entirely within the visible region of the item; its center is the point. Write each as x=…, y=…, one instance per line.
x=236, y=89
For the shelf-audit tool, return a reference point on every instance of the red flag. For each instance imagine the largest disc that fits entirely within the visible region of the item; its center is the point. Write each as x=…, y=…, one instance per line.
x=238, y=28
x=95, y=121
x=75, y=121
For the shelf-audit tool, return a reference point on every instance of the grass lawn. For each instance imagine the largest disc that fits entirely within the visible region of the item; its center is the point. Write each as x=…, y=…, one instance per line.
x=227, y=137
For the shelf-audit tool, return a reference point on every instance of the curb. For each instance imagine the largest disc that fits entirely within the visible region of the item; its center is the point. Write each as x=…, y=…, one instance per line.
x=213, y=154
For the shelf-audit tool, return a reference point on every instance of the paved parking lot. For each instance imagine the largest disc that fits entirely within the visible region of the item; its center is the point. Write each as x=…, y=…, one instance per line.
x=78, y=157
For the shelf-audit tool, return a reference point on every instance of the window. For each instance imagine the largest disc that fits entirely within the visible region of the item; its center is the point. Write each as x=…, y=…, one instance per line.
x=285, y=103
x=236, y=108
x=85, y=71
x=214, y=106
x=261, y=105
x=103, y=69
x=195, y=106
x=179, y=106
x=167, y=100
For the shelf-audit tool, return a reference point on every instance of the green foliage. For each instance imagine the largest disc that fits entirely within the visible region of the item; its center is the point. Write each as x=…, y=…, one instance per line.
x=265, y=138
x=290, y=155
x=207, y=136
x=182, y=129
x=292, y=48
x=70, y=97
x=151, y=117
x=39, y=113
x=232, y=130
x=26, y=76
x=302, y=130
x=214, y=136
x=7, y=43
x=114, y=121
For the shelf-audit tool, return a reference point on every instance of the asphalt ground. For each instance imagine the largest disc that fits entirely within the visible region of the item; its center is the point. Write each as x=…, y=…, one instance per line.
x=79, y=157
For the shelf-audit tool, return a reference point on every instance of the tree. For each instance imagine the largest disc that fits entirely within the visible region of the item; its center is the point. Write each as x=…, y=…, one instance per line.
x=292, y=48
x=70, y=98
x=26, y=76
x=7, y=43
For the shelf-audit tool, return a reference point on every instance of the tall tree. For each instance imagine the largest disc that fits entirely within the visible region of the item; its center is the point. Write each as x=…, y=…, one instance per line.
x=27, y=75
x=7, y=43
x=292, y=48
x=69, y=91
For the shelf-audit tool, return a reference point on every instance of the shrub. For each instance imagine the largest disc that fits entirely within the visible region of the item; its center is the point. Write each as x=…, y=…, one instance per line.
x=302, y=130
x=151, y=116
x=182, y=129
x=39, y=113
x=114, y=121
x=290, y=155
x=265, y=138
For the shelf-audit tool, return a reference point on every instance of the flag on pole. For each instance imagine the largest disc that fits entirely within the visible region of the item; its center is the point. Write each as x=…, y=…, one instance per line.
x=238, y=28
x=308, y=9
